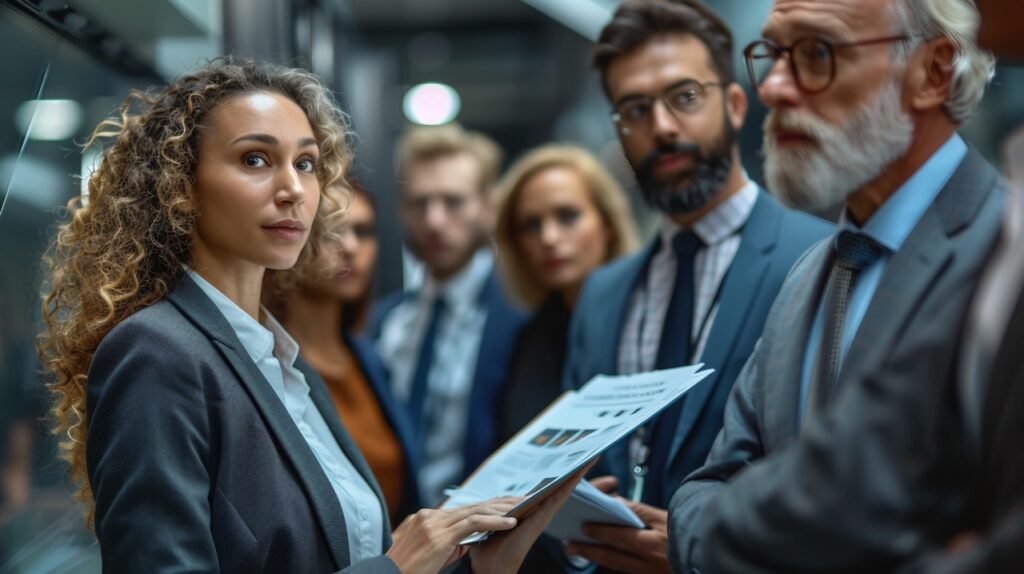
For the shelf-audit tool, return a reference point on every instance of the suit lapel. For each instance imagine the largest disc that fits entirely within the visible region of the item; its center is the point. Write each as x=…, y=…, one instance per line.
x=784, y=347
x=323, y=403
x=914, y=268
x=741, y=287
x=195, y=305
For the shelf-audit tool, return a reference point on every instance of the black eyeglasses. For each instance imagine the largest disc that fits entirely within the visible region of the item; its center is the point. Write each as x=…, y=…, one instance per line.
x=633, y=114
x=811, y=60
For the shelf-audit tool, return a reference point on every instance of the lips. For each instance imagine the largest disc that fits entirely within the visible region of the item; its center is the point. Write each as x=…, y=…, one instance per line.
x=673, y=162
x=286, y=229
x=791, y=137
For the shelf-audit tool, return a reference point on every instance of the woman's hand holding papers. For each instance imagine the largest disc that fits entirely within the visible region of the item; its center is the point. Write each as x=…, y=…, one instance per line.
x=627, y=549
x=504, y=552
x=428, y=541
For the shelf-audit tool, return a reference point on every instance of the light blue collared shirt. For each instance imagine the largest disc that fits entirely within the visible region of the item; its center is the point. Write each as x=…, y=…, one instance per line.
x=889, y=226
x=274, y=351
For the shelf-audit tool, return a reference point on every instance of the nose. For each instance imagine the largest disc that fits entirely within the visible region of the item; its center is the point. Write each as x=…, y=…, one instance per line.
x=779, y=88
x=665, y=124
x=348, y=241
x=436, y=216
x=549, y=233
x=290, y=188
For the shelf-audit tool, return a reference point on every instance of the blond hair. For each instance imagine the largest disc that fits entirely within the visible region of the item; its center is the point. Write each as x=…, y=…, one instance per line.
x=125, y=248
x=422, y=144
x=605, y=192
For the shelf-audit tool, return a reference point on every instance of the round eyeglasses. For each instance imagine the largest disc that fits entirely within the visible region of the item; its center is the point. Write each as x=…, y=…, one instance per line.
x=812, y=61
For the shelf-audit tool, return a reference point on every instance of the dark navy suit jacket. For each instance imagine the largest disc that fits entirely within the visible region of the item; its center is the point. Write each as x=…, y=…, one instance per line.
x=501, y=331
x=194, y=462
x=772, y=239
x=377, y=376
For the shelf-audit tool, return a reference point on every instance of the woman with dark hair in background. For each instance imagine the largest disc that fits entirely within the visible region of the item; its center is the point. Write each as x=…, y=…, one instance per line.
x=197, y=439
x=560, y=217
x=323, y=304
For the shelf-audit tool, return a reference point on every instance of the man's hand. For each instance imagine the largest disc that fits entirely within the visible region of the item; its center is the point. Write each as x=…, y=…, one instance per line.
x=628, y=549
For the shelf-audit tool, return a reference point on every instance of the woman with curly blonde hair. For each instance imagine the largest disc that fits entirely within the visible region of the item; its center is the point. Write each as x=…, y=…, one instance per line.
x=196, y=437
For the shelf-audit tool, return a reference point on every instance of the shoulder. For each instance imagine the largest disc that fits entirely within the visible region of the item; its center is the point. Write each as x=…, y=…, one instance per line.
x=796, y=228
x=614, y=276
x=149, y=349
x=382, y=308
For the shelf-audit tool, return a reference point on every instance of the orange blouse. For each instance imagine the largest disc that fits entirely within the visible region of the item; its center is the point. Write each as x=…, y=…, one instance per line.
x=364, y=420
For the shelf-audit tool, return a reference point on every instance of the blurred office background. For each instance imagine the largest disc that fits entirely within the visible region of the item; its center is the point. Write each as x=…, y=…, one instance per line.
x=515, y=69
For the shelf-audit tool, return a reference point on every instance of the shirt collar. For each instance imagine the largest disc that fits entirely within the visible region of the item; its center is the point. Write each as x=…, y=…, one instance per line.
x=257, y=340
x=720, y=223
x=896, y=218
x=464, y=287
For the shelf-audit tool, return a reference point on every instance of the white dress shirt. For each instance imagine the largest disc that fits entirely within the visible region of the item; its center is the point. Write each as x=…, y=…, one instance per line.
x=274, y=352
x=719, y=229
x=450, y=379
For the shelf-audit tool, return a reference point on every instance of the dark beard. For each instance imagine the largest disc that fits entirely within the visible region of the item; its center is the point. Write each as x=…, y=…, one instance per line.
x=704, y=181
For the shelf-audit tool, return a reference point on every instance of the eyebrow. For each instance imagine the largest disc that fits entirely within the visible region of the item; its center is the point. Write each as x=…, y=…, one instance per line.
x=271, y=140
x=671, y=86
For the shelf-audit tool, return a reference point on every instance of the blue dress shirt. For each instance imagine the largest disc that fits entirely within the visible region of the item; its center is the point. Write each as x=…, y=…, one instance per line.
x=889, y=226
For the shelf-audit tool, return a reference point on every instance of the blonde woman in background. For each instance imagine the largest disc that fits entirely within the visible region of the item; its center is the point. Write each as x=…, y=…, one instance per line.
x=561, y=215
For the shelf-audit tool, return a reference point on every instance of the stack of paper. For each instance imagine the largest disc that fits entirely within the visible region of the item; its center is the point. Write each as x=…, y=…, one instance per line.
x=573, y=430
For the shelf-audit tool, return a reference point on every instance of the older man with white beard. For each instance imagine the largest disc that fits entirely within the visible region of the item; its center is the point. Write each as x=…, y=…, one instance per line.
x=841, y=449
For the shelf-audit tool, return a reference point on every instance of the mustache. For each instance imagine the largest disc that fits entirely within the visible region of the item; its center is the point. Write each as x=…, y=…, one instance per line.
x=675, y=148
x=798, y=122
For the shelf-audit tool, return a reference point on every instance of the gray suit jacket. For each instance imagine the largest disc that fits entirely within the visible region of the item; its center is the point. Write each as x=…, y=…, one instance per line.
x=879, y=474
x=194, y=462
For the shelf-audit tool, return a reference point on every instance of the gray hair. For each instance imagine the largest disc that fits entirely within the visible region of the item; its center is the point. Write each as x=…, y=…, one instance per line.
x=957, y=20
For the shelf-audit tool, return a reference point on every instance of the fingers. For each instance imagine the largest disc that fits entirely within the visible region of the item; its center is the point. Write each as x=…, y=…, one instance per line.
x=607, y=557
x=494, y=507
x=651, y=515
x=606, y=484
x=619, y=537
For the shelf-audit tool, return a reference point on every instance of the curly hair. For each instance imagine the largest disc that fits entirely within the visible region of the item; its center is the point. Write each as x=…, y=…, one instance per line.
x=281, y=285
x=123, y=245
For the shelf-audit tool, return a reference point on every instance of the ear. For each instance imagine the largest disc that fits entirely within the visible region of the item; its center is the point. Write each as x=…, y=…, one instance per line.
x=930, y=74
x=736, y=105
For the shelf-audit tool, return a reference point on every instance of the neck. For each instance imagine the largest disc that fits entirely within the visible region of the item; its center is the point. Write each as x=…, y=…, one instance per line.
x=444, y=275
x=929, y=136
x=314, y=320
x=242, y=282
x=570, y=294
x=732, y=185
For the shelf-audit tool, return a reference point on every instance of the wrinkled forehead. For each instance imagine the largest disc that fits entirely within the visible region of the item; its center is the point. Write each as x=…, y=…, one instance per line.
x=833, y=19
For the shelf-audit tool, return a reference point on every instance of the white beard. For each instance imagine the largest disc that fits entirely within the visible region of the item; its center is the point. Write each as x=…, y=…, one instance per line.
x=845, y=157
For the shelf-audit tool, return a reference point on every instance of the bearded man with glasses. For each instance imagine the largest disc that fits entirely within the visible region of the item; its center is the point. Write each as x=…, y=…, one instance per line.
x=700, y=290
x=842, y=449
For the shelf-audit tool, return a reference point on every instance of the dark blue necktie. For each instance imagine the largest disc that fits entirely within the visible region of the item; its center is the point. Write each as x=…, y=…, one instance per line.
x=673, y=351
x=418, y=393
x=854, y=252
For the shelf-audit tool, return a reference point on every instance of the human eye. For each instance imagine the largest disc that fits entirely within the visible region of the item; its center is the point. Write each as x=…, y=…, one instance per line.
x=530, y=226
x=814, y=50
x=307, y=164
x=567, y=216
x=255, y=160
x=635, y=110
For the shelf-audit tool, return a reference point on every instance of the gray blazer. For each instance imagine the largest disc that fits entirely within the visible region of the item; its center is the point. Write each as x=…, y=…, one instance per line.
x=880, y=473
x=193, y=460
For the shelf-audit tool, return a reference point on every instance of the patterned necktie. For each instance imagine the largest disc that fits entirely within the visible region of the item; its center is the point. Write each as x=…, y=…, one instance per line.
x=854, y=252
